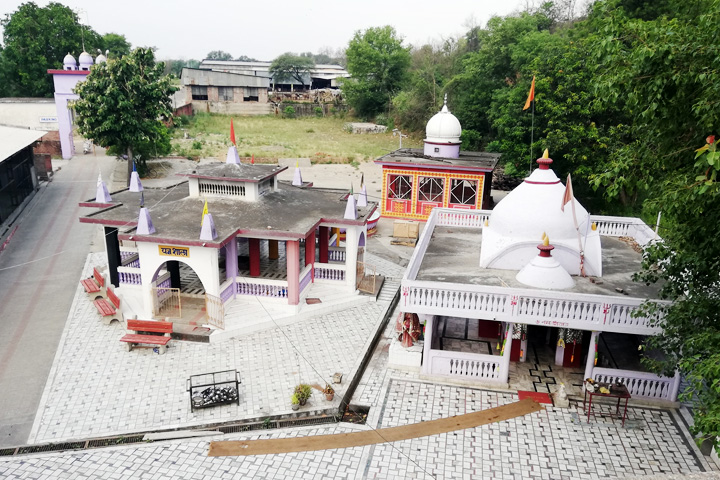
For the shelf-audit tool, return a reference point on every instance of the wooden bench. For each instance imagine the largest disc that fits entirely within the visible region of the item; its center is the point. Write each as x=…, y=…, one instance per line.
x=149, y=334
x=109, y=309
x=95, y=285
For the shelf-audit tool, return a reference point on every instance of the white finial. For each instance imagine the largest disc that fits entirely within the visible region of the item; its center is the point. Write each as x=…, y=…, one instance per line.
x=445, y=102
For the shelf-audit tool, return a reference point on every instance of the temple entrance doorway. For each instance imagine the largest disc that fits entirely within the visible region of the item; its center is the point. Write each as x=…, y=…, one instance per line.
x=178, y=293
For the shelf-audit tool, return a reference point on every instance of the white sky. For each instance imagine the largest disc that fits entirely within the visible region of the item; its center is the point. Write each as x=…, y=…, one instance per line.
x=191, y=29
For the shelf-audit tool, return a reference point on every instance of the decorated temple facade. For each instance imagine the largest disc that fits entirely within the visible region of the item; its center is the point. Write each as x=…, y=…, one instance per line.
x=491, y=288
x=415, y=181
x=232, y=230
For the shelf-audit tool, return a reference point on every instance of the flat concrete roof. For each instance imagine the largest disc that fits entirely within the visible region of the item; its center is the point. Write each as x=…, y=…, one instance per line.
x=234, y=172
x=453, y=256
x=290, y=212
x=13, y=139
x=415, y=156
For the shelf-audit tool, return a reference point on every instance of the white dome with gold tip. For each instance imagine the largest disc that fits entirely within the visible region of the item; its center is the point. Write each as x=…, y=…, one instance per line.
x=443, y=127
x=544, y=271
x=509, y=241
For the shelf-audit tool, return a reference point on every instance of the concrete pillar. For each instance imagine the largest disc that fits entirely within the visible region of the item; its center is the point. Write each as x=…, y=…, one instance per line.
x=675, y=386
x=112, y=247
x=173, y=268
x=254, y=249
x=590, y=362
x=351, y=253
x=505, y=365
x=231, y=260
x=310, y=249
x=292, y=254
x=427, y=346
x=559, y=355
x=324, y=240
x=273, y=253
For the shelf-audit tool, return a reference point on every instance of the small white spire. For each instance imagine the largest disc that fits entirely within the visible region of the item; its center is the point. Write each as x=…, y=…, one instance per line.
x=101, y=193
x=232, y=155
x=208, y=232
x=145, y=225
x=297, y=177
x=135, y=184
x=350, y=210
x=362, y=198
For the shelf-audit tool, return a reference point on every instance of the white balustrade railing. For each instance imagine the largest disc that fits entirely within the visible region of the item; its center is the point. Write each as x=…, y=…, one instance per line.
x=624, y=227
x=336, y=254
x=331, y=272
x=640, y=384
x=462, y=365
x=129, y=276
x=462, y=218
x=566, y=309
x=421, y=246
x=227, y=290
x=261, y=287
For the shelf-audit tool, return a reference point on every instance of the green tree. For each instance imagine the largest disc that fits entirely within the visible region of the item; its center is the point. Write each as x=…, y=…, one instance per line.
x=117, y=45
x=289, y=66
x=123, y=102
x=37, y=39
x=219, y=55
x=245, y=58
x=378, y=63
x=686, y=265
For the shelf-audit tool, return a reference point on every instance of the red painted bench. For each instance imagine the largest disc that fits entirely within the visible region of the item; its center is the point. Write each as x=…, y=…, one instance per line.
x=95, y=285
x=148, y=334
x=109, y=309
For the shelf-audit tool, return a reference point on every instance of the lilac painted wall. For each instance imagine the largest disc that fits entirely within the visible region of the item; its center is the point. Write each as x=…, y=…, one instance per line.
x=64, y=85
x=445, y=151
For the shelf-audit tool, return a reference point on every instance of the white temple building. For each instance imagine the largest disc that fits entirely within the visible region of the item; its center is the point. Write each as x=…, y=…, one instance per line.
x=500, y=298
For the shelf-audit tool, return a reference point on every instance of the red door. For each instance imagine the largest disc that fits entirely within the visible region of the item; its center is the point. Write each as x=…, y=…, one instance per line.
x=488, y=329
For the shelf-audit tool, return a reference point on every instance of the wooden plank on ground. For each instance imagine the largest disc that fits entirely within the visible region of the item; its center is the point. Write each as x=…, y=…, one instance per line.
x=370, y=437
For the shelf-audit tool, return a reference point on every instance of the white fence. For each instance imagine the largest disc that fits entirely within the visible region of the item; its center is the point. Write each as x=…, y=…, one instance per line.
x=641, y=384
x=468, y=366
x=261, y=287
x=329, y=272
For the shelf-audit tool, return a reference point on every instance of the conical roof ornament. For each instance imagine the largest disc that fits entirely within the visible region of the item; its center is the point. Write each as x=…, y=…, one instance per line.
x=362, y=198
x=135, y=184
x=101, y=194
x=208, y=232
x=350, y=209
x=232, y=155
x=145, y=225
x=544, y=271
x=545, y=161
x=297, y=177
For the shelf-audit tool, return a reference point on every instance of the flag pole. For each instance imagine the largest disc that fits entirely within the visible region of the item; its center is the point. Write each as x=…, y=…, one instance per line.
x=532, y=133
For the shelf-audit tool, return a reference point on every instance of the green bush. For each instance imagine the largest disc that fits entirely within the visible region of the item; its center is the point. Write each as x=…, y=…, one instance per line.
x=197, y=145
x=471, y=140
x=303, y=392
x=319, y=112
x=289, y=112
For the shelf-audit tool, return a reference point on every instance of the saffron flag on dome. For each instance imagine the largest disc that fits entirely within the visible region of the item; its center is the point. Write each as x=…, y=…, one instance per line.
x=232, y=132
x=205, y=212
x=568, y=197
x=531, y=95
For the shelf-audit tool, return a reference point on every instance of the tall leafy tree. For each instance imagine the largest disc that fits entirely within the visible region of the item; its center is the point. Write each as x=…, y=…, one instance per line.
x=289, y=66
x=37, y=39
x=123, y=102
x=378, y=63
x=219, y=55
x=117, y=44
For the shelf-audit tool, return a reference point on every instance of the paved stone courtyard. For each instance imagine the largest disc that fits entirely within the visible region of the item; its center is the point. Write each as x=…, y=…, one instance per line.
x=97, y=388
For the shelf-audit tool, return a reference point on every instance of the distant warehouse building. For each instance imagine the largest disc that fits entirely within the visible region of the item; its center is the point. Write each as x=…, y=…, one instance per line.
x=226, y=92
x=320, y=76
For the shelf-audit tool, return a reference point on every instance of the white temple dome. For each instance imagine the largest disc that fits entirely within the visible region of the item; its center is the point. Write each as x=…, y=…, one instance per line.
x=510, y=238
x=544, y=271
x=85, y=60
x=69, y=61
x=100, y=59
x=443, y=127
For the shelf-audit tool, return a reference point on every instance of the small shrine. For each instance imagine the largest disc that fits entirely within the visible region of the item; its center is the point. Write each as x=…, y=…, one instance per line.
x=440, y=175
x=230, y=229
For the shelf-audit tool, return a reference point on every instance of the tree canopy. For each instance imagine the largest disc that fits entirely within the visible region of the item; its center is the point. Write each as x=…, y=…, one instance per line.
x=290, y=66
x=378, y=63
x=116, y=44
x=219, y=55
x=122, y=104
x=36, y=39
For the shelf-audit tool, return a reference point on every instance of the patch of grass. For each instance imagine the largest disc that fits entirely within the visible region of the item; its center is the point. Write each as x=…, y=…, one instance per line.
x=271, y=137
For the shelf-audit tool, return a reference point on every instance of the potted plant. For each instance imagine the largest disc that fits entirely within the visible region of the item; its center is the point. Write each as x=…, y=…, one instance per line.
x=294, y=401
x=327, y=390
x=303, y=392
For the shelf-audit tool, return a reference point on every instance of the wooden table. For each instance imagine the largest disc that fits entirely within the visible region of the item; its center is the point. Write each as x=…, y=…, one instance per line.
x=619, y=392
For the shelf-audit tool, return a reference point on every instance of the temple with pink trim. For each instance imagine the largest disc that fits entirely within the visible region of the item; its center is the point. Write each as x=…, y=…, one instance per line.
x=229, y=232
x=534, y=293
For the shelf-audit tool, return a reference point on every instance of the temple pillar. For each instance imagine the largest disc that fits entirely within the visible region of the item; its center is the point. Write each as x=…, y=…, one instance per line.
x=112, y=247
x=310, y=249
x=505, y=363
x=427, y=346
x=173, y=268
x=351, y=255
x=231, y=260
x=254, y=249
x=590, y=362
x=292, y=255
x=273, y=253
x=324, y=241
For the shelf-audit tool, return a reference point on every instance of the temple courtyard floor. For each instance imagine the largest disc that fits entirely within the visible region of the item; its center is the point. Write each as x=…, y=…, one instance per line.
x=99, y=389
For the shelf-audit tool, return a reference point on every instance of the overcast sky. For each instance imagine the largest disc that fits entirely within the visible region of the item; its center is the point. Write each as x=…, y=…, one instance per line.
x=264, y=30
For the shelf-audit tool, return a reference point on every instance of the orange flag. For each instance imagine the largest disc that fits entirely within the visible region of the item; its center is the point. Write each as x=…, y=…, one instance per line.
x=252, y=160
x=568, y=197
x=531, y=95
x=232, y=132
